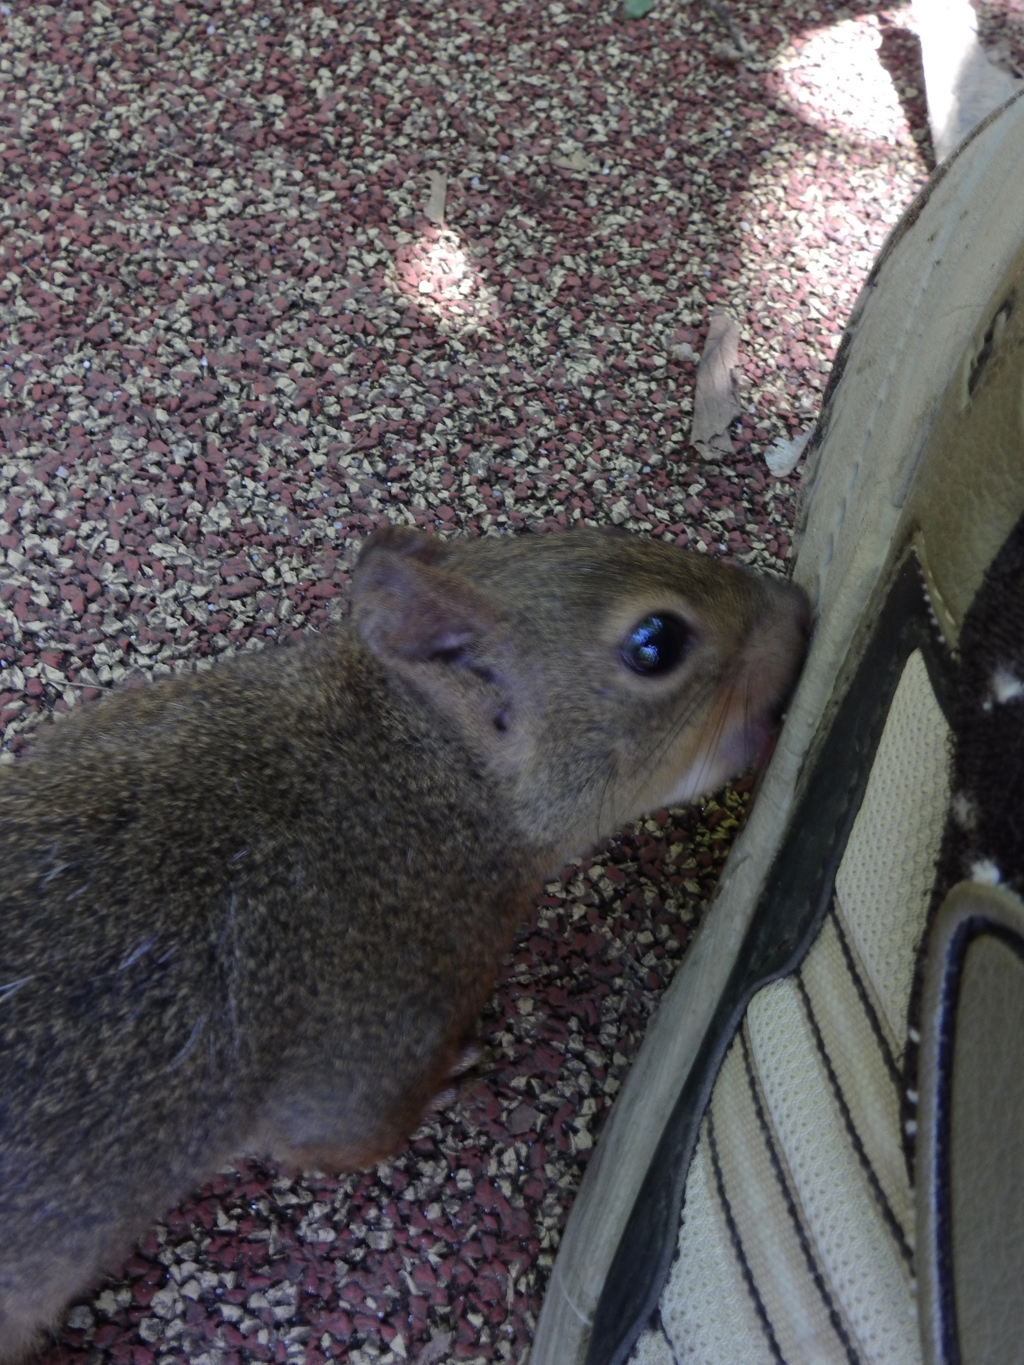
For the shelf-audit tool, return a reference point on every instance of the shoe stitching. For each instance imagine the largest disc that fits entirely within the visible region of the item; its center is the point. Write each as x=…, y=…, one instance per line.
x=787, y=1194
x=737, y=1246
x=932, y=591
x=888, y=1216
x=895, y=1075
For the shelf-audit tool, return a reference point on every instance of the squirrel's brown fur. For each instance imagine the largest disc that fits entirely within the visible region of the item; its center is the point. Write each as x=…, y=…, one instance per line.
x=259, y=908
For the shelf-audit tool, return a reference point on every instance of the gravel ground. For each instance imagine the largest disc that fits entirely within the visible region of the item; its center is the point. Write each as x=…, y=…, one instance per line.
x=275, y=273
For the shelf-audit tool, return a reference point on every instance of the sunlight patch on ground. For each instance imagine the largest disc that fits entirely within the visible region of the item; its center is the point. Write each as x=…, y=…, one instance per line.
x=824, y=198
x=436, y=275
x=833, y=79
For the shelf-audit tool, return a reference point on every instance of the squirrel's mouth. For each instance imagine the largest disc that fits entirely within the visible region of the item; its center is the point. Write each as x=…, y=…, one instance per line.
x=751, y=744
x=761, y=741
x=747, y=745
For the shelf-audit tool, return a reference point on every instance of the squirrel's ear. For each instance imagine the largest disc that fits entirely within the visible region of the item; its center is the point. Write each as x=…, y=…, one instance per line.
x=407, y=606
x=405, y=541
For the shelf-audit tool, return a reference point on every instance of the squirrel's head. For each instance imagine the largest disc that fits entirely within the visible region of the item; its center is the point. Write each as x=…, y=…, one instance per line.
x=600, y=674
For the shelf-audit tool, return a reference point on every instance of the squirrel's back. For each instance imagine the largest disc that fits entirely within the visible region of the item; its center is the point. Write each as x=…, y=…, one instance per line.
x=259, y=908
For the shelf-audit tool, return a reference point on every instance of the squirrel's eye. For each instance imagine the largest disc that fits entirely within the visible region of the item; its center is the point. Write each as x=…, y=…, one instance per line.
x=656, y=645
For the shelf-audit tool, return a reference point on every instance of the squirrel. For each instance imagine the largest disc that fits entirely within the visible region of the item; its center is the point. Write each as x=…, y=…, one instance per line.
x=258, y=909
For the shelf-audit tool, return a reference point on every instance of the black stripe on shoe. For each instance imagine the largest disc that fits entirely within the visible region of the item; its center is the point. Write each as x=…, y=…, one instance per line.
x=838, y=1326
x=796, y=897
x=856, y=1142
x=895, y=1074
x=737, y=1245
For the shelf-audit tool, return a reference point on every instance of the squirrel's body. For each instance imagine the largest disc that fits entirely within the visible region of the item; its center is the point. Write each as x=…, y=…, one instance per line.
x=259, y=908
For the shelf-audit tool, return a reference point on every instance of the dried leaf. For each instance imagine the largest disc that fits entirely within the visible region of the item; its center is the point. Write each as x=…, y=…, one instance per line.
x=474, y=132
x=782, y=456
x=576, y=161
x=724, y=15
x=727, y=53
x=438, y=194
x=435, y=1350
x=715, y=400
